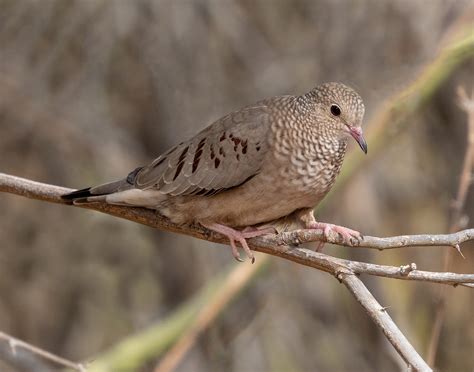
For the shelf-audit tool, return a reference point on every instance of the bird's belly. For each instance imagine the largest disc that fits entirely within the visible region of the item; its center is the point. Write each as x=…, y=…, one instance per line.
x=258, y=211
x=247, y=205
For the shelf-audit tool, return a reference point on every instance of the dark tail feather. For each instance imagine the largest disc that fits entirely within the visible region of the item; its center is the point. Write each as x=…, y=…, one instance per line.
x=78, y=194
x=93, y=194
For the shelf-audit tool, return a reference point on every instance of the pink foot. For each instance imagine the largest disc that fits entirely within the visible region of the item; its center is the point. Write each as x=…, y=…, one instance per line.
x=239, y=236
x=346, y=234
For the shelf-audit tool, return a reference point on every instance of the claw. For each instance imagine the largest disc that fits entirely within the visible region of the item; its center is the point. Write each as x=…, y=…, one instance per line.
x=235, y=251
x=246, y=248
x=240, y=236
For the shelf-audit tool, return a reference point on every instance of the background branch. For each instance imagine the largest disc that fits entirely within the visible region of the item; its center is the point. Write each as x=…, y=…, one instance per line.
x=233, y=284
x=457, y=219
x=151, y=343
x=395, y=114
x=16, y=345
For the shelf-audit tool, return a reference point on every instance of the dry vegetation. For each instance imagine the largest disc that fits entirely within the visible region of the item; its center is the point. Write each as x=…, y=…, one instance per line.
x=89, y=90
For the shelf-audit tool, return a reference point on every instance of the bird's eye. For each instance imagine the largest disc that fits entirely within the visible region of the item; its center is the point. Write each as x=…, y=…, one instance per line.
x=335, y=110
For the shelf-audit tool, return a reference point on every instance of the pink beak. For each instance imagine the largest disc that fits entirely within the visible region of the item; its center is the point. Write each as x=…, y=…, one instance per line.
x=359, y=137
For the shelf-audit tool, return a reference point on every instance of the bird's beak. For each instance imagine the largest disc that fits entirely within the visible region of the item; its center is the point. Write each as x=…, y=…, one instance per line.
x=356, y=132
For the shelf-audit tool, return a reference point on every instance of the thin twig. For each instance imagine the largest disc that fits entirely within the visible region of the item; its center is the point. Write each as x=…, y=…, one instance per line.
x=297, y=237
x=16, y=344
x=330, y=264
x=465, y=181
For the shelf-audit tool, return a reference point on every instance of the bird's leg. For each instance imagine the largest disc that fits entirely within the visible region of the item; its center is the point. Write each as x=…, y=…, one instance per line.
x=345, y=233
x=239, y=236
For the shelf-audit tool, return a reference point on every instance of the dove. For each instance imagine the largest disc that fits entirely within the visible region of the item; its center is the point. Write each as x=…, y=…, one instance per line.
x=255, y=165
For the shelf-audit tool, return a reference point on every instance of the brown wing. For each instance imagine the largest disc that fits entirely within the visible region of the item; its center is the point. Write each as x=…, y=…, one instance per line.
x=224, y=155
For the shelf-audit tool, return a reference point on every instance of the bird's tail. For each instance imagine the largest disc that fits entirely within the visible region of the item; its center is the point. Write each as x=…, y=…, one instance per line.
x=97, y=193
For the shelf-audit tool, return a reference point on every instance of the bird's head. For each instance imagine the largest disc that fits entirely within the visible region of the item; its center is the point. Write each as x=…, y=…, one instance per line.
x=341, y=109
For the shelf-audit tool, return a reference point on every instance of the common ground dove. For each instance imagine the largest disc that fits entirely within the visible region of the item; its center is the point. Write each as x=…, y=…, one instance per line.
x=255, y=165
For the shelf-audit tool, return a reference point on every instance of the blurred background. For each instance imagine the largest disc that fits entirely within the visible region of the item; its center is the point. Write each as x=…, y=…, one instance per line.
x=91, y=89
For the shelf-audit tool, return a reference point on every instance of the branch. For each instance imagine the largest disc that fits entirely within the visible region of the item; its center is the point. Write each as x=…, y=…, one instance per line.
x=275, y=245
x=457, y=218
x=278, y=245
x=380, y=316
x=281, y=245
x=425, y=240
x=150, y=343
x=394, y=115
x=16, y=344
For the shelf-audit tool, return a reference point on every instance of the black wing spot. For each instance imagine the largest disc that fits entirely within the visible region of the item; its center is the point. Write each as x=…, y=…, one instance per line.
x=197, y=155
x=221, y=152
x=180, y=162
x=197, y=159
x=183, y=154
x=222, y=137
x=237, y=156
x=213, y=154
x=244, y=147
x=236, y=141
x=201, y=144
x=217, y=161
x=257, y=148
x=178, y=170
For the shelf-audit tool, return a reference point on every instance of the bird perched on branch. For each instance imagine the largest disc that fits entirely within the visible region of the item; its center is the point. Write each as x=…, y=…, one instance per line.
x=255, y=165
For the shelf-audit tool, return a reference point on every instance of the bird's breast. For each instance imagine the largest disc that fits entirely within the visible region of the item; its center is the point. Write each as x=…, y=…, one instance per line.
x=308, y=165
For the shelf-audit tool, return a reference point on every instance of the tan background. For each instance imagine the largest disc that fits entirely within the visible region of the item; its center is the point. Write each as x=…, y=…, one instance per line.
x=91, y=89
